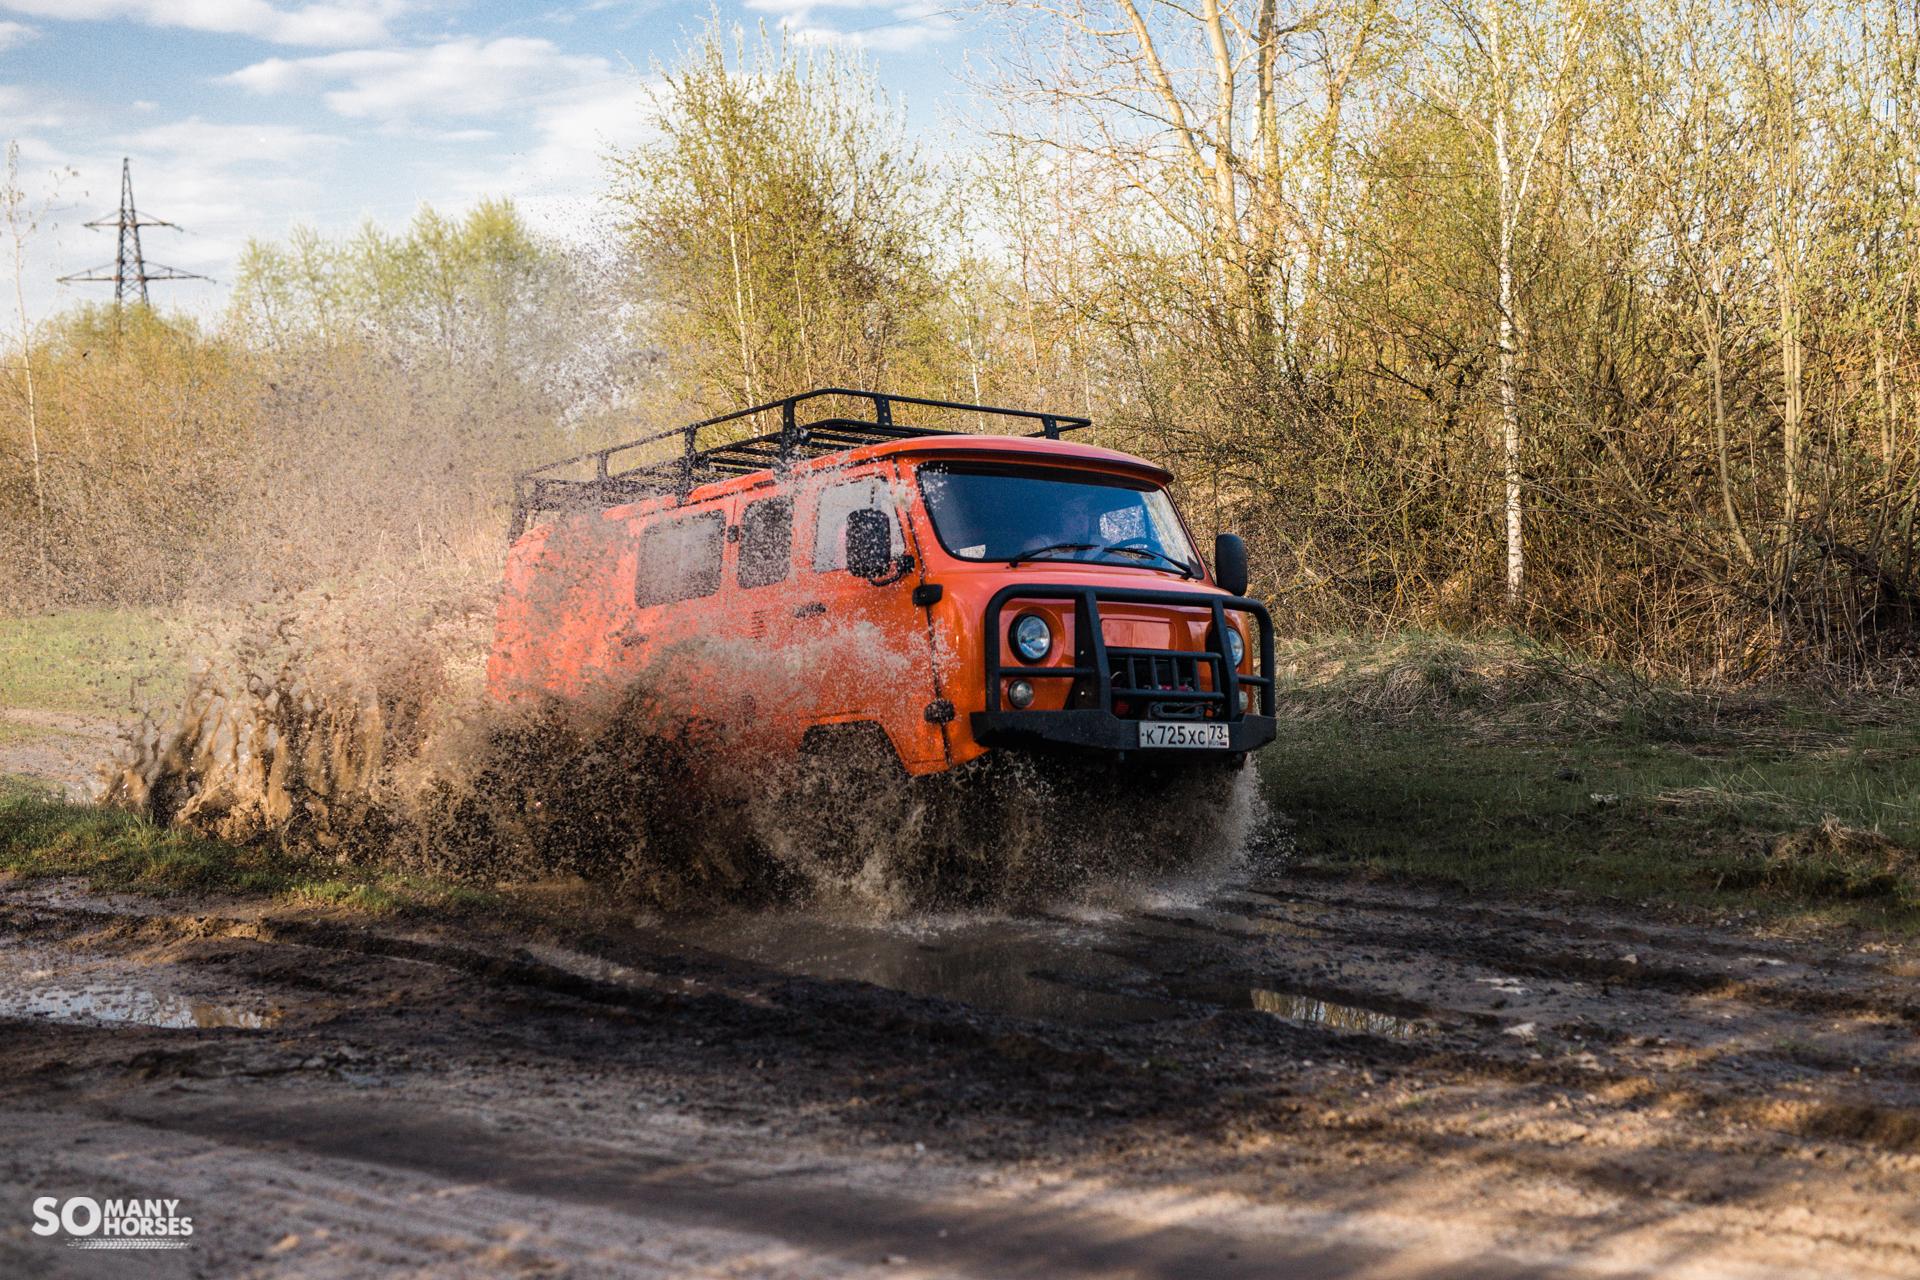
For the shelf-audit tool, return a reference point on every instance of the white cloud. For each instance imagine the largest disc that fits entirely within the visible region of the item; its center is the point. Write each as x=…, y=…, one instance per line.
x=556, y=114
x=335, y=22
x=224, y=146
x=24, y=108
x=884, y=25
x=463, y=77
x=13, y=33
x=575, y=133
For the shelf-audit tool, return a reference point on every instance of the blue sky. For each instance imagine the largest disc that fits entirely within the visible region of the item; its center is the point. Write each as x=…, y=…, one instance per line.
x=246, y=117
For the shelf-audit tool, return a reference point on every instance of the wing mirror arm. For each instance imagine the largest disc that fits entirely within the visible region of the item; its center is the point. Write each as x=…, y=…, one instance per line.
x=902, y=566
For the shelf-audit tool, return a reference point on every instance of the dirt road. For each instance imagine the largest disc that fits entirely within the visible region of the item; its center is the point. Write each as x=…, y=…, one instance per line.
x=59, y=749
x=1275, y=1078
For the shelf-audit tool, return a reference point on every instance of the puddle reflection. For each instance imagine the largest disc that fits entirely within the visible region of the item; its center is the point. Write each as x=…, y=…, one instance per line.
x=127, y=1004
x=1337, y=1017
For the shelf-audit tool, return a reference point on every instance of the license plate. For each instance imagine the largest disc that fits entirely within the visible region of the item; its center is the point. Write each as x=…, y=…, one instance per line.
x=1178, y=733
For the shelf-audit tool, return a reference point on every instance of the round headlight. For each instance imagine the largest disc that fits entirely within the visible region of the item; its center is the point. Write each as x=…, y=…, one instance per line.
x=1020, y=694
x=1032, y=637
x=1236, y=647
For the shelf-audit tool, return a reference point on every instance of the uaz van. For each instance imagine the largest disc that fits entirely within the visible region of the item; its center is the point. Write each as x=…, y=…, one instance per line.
x=954, y=594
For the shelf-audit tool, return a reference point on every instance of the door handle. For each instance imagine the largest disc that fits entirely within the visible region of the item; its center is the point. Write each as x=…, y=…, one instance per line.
x=811, y=610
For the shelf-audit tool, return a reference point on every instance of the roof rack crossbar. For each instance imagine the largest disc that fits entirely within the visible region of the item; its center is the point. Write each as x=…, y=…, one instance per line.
x=543, y=489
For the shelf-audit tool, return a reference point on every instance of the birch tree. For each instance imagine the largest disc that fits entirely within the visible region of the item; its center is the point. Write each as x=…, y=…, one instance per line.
x=1514, y=77
x=23, y=219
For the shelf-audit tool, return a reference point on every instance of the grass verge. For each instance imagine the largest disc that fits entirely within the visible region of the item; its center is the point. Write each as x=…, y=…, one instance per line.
x=45, y=837
x=1497, y=766
x=87, y=661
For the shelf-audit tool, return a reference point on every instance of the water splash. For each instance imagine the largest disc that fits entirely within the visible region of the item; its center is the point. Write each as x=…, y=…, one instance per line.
x=364, y=733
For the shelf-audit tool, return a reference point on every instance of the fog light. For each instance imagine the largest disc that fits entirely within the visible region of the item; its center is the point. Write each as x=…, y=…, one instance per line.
x=1020, y=694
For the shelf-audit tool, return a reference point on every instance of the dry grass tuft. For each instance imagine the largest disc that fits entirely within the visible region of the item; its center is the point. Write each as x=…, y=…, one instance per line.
x=1835, y=859
x=1497, y=683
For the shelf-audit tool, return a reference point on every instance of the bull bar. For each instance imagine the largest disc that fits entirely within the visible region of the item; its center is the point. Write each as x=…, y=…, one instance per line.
x=1098, y=726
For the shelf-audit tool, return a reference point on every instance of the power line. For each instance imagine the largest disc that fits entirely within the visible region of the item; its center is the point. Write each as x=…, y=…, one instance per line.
x=129, y=267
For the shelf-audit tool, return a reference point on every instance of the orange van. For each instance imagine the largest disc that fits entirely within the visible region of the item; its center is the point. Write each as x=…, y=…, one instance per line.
x=793, y=577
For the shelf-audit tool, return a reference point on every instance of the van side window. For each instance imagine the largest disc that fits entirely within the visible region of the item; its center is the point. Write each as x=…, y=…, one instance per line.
x=830, y=532
x=766, y=542
x=680, y=560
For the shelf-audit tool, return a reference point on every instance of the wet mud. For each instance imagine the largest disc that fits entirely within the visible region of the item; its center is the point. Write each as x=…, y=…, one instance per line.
x=1266, y=1075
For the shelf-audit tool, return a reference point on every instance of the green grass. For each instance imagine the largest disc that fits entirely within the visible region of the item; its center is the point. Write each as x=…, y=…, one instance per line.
x=1503, y=769
x=44, y=837
x=86, y=661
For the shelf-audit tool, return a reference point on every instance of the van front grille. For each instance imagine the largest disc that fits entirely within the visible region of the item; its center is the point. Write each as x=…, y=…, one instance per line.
x=1143, y=681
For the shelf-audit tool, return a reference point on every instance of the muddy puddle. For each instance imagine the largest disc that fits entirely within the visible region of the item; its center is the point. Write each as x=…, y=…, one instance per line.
x=146, y=1008
x=1332, y=1015
x=1080, y=969
x=93, y=991
x=1025, y=969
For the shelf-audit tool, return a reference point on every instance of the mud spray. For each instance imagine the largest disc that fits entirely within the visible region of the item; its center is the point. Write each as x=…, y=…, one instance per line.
x=359, y=728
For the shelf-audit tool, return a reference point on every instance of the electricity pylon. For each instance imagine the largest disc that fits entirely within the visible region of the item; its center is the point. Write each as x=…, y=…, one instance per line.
x=129, y=269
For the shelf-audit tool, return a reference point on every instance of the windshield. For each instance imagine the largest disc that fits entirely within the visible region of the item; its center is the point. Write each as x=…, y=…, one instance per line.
x=999, y=514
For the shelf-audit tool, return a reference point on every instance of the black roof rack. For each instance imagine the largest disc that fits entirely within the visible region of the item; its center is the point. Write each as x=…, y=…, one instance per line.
x=560, y=486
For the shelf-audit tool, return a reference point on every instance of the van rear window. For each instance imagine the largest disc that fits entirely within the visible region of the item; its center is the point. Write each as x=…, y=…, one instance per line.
x=766, y=542
x=681, y=560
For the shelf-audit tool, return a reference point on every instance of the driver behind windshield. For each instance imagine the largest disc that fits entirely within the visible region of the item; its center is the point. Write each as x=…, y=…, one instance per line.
x=1076, y=523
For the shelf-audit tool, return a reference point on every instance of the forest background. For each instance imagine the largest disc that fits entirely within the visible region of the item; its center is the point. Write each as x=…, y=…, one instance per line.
x=1595, y=323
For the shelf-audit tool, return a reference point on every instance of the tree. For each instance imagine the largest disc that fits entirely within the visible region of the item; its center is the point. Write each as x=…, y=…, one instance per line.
x=22, y=220
x=784, y=224
x=1514, y=78
x=482, y=292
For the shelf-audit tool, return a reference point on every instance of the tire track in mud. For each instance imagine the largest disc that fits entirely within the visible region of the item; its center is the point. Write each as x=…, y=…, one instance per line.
x=1737, y=1080
x=1224, y=990
x=1219, y=1083
x=783, y=1005
x=1525, y=959
x=1483, y=951
x=1428, y=906
x=760, y=1002
x=1209, y=986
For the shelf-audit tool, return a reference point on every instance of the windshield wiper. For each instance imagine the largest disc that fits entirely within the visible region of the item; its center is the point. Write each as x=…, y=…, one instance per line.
x=1035, y=552
x=1180, y=567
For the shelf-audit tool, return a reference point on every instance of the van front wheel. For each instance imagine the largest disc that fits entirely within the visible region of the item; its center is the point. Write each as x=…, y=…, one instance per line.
x=843, y=805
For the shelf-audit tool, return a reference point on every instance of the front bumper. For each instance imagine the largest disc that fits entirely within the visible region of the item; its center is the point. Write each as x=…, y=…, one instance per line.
x=1205, y=680
x=1097, y=730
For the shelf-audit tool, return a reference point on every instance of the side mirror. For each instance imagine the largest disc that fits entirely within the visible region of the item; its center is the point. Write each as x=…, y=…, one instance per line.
x=869, y=544
x=1230, y=563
